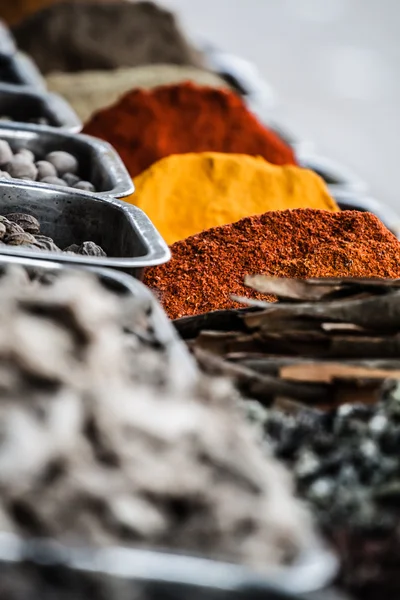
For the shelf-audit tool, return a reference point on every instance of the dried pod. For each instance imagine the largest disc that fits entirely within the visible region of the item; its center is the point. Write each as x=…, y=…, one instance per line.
x=91, y=249
x=20, y=239
x=28, y=223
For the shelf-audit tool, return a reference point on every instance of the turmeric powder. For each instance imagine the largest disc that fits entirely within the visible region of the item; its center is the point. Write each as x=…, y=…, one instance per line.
x=189, y=193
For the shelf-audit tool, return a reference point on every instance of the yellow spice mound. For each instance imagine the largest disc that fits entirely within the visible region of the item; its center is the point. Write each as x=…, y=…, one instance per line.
x=189, y=193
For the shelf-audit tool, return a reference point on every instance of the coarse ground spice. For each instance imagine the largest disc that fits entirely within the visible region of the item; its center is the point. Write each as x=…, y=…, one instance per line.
x=75, y=36
x=146, y=126
x=207, y=268
x=90, y=91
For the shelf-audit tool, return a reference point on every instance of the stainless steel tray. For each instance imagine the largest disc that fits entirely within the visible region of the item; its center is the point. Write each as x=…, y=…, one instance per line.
x=23, y=105
x=7, y=43
x=122, y=284
x=337, y=177
x=19, y=69
x=71, y=216
x=181, y=575
x=389, y=217
x=99, y=162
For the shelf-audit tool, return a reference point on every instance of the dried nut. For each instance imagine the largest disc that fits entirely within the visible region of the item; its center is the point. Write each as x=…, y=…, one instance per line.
x=64, y=162
x=53, y=181
x=43, y=242
x=85, y=185
x=71, y=179
x=28, y=223
x=12, y=227
x=6, y=154
x=25, y=153
x=20, y=167
x=5, y=175
x=45, y=169
x=74, y=248
x=20, y=239
x=91, y=249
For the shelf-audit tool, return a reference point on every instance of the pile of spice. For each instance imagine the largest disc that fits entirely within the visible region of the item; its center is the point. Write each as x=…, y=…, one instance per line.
x=90, y=91
x=346, y=464
x=57, y=168
x=79, y=36
x=206, y=269
x=186, y=194
x=146, y=126
x=172, y=466
x=19, y=229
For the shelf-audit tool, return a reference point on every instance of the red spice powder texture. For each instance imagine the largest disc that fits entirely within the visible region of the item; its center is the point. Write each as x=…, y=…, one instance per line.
x=145, y=126
x=207, y=268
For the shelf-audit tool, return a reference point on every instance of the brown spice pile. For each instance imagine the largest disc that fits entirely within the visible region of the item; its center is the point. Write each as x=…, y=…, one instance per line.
x=78, y=36
x=207, y=268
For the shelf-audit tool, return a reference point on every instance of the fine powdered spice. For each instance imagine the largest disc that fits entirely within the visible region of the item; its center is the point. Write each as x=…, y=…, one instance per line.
x=78, y=36
x=145, y=126
x=90, y=91
x=207, y=268
x=186, y=194
x=141, y=464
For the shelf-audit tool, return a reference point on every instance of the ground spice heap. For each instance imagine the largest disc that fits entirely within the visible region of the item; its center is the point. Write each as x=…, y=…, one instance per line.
x=78, y=36
x=186, y=194
x=145, y=126
x=207, y=268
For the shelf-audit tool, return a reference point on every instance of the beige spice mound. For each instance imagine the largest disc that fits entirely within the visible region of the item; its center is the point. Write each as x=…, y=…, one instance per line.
x=90, y=91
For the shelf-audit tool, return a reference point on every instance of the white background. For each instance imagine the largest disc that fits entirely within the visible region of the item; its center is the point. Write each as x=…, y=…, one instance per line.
x=335, y=65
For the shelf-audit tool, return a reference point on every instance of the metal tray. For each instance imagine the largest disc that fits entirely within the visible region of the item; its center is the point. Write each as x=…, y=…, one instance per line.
x=389, y=217
x=7, y=43
x=121, y=284
x=337, y=177
x=99, y=162
x=71, y=216
x=22, y=105
x=19, y=69
x=181, y=575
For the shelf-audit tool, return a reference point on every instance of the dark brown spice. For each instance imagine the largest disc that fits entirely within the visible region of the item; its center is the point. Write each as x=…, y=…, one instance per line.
x=207, y=268
x=79, y=36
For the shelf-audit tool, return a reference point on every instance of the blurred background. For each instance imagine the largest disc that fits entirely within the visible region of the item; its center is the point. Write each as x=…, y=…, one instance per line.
x=335, y=65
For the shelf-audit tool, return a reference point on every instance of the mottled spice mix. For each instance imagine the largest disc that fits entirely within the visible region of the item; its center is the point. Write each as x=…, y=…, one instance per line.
x=207, y=268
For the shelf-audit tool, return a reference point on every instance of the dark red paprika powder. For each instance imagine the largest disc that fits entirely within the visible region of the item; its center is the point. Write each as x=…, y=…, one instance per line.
x=145, y=126
x=207, y=268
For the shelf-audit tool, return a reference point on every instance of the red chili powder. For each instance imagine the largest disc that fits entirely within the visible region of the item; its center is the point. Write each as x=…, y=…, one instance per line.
x=206, y=268
x=145, y=126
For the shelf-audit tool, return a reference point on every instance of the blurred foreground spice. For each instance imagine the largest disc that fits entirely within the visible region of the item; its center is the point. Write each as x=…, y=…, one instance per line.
x=145, y=126
x=207, y=268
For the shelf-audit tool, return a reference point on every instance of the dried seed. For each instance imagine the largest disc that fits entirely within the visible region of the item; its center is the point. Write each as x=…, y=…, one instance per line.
x=45, y=169
x=91, y=249
x=28, y=223
x=20, y=239
x=64, y=162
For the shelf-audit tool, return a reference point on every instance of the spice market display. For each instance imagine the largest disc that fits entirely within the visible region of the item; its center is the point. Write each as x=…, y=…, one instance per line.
x=237, y=410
